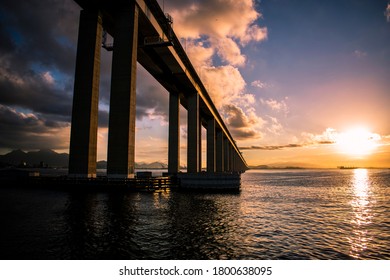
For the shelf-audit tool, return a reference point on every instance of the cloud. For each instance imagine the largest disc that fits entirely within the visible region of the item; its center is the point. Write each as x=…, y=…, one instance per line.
x=228, y=51
x=224, y=84
x=359, y=54
x=260, y=84
x=387, y=12
x=33, y=91
x=37, y=56
x=274, y=126
x=200, y=54
x=37, y=63
x=213, y=33
x=152, y=98
x=271, y=147
x=328, y=137
x=242, y=125
x=275, y=105
x=224, y=24
x=29, y=131
x=48, y=78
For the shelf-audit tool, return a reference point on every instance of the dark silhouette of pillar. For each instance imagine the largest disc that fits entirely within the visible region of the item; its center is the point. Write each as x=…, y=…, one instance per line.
x=200, y=146
x=219, y=157
x=121, y=136
x=174, y=133
x=193, y=133
x=226, y=154
x=83, y=138
x=211, y=148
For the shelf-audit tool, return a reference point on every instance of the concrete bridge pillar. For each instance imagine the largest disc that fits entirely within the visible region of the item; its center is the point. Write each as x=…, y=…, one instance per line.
x=121, y=135
x=83, y=139
x=211, y=145
x=219, y=155
x=200, y=146
x=231, y=161
x=193, y=133
x=174, y=133
x=226, y=155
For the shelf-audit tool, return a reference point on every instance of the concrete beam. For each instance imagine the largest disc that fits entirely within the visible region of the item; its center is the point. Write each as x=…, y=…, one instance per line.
x=83, y=139
x=121, y=136
x=174, y=133
x=193, y=133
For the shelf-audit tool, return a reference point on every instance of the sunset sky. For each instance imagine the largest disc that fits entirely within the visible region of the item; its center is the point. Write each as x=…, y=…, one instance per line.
x=297, y=82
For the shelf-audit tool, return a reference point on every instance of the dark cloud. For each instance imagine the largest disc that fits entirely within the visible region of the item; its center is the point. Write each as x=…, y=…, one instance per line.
x=152, y=98
x=288, y=146
x=37, y=64
x=29, y=131
x=37, y=56
x=272, y=148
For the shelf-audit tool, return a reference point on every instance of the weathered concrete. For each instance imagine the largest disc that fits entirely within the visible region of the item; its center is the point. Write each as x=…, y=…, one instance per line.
x=193, y=134
x=121, y=136
x=174, y=133
x=83, y=139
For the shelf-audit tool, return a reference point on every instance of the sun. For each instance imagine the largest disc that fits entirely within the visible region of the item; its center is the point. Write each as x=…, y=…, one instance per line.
x=358, y=141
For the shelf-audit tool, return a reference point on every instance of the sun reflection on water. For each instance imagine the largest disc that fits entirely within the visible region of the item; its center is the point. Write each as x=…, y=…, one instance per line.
x=361, y=204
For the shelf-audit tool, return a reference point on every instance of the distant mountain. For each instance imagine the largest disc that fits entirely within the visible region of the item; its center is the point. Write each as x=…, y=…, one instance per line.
x=153, y=165
x=50, y=158
x=286, y=165
x=139, y=165
x=41, y=158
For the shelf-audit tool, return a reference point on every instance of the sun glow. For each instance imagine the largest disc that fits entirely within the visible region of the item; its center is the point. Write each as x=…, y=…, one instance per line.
x=357, y=141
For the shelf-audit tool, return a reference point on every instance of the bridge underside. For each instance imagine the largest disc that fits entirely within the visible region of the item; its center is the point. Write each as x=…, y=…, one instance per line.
x=135, y=25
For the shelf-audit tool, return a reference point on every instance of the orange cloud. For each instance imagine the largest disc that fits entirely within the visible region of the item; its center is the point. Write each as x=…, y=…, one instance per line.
x=220, y=23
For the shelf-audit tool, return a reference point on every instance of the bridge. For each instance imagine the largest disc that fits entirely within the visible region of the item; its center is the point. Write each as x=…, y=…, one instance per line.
x=141, y=32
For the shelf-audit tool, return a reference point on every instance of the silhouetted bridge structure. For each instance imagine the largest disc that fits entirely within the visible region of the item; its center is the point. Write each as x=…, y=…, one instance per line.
x=141, y=32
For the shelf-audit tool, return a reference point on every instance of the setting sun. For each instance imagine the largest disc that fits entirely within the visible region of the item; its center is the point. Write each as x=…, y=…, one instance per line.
x=358, y=141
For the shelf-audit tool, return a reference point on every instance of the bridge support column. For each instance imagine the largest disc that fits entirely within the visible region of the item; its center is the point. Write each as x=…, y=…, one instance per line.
x=231, y=161
x=121, y=136
x=174, y=133
x=83, y=138
x=200, y=146
x=219, y=158
x=226, y=155
x=211, y=149
x=193, y=134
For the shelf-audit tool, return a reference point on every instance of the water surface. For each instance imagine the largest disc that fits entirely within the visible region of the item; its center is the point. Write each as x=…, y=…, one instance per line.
x=279, y=214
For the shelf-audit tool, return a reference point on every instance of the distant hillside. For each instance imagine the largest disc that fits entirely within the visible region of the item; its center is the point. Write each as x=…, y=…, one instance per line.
x=286, y=165
x=44, y=157
x=49, y=158
x=141, y=165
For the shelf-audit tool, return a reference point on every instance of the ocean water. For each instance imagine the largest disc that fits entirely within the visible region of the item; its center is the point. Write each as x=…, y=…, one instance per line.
x=278, y=214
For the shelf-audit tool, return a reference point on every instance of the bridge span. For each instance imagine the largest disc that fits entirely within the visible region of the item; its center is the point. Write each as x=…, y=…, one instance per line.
x=141, y=32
